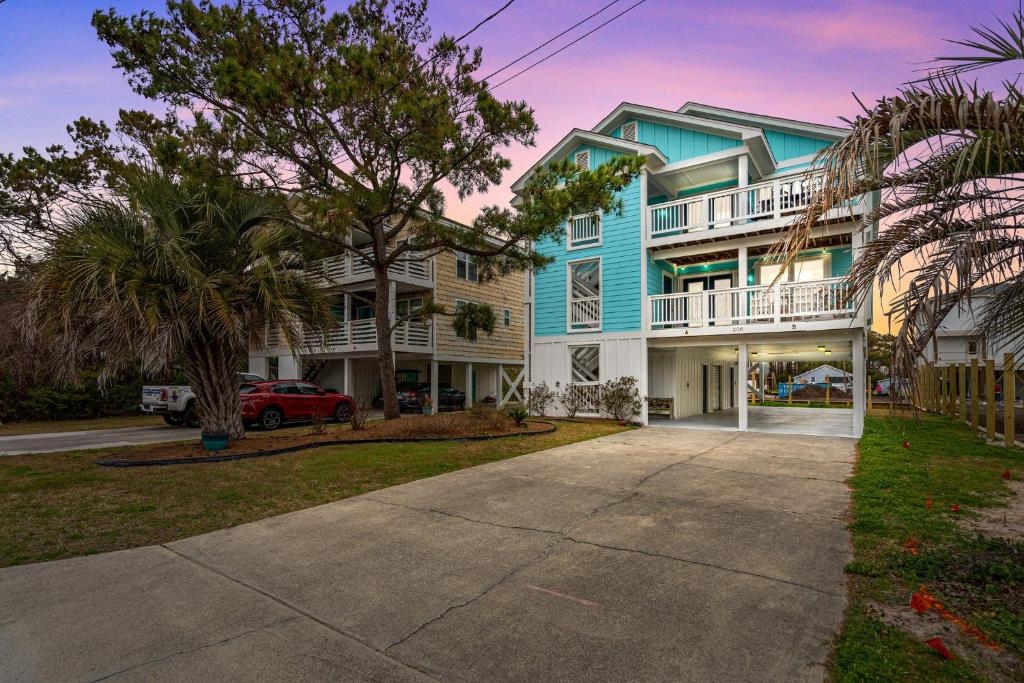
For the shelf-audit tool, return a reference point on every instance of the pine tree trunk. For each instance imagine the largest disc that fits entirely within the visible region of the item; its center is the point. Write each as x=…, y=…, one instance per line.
x=385, y=356
x=212, y=371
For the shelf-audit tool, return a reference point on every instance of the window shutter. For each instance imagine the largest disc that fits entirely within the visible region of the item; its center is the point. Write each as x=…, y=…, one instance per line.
x=583, y=159
x=629, y=131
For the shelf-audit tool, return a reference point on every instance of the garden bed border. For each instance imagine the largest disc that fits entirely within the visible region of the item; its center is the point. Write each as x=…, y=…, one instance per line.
x=159, y=462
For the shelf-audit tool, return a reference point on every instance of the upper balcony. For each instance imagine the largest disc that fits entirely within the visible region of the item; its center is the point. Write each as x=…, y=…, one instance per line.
x=349, y=269
x=767, y=205
x=411, y=336
x=825, y=303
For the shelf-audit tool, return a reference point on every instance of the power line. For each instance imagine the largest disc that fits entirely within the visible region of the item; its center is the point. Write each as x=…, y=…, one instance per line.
x=548, y=42
x=485, y=20
x=568, y=45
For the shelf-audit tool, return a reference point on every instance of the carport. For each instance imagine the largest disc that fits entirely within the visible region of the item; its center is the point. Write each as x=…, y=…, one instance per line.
x=698, y=385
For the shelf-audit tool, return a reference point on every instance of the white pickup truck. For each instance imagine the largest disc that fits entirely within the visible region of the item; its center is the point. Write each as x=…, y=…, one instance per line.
x=177, y=404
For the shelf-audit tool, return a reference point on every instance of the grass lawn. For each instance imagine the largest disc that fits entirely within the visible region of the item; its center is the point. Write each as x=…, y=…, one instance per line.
x=43, y=426
x=60, y=505
x=978, y=579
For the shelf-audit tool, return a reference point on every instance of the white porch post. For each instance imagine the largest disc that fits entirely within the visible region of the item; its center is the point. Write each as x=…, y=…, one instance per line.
x=287, y=367
x=348, y=384
x=434, y=398
x=859, y=384
x=259, y=365
x=742, y=271
x=741, y=387
x=470, y=394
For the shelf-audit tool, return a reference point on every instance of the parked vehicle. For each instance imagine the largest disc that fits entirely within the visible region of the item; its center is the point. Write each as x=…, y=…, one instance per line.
x=412, y=396
x=177, y=403
x=270, y=404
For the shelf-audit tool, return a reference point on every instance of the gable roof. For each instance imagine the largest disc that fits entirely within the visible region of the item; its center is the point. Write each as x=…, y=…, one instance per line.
x=723, y=115
x=577, y=137
x=827, y=368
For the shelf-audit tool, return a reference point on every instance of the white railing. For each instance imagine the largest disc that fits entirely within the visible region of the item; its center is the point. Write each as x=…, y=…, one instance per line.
x=584, y=230
x=414, y=333
x=585, y=313
x=817, y=299
x=726, y=208
x=337, y=268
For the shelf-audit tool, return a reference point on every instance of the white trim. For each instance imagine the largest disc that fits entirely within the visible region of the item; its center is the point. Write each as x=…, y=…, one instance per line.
x=578, y=136
x=724, y=115
x=621, y=113
x=568, y=294
x=480, y=360
x=468, y=258
x=752, y=241
x=589, y=245
x=703, y=160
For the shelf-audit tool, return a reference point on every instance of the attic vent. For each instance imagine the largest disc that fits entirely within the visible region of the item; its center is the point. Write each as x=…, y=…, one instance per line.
x=629, y=131
x=583, y=159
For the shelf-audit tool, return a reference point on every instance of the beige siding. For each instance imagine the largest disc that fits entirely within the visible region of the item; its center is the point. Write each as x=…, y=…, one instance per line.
x=501, y=293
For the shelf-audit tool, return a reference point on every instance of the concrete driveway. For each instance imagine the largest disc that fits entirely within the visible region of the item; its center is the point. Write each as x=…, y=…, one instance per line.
x=656, y=554
x=53, y=442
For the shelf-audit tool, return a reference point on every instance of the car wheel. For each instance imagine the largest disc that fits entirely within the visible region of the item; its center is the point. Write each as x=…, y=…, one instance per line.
x=271, y=419
x=191, y=417
x=342, y=412
x=174, y=420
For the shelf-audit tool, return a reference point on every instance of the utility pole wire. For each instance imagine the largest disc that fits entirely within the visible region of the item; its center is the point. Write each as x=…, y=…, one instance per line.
x=568, y=45
x=548, y=42
x=482, y=21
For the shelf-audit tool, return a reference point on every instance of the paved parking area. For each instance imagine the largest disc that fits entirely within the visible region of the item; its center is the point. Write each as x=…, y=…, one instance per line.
x=655, y=554
x=777, y=419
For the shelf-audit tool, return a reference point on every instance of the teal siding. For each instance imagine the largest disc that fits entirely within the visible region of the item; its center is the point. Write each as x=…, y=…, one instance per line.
x=679, y=144
x=620, y=272
x=655, y=270
x=711, y=187
x=787, y=146
x=842, y=261
x=598, y=155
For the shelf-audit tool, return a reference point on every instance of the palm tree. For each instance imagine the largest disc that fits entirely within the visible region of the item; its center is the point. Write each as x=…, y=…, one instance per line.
x=172, y=272
x=943, y=160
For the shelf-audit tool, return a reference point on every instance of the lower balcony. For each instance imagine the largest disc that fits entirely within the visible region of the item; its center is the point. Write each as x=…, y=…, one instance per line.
x=361, y=335
x=737, y=309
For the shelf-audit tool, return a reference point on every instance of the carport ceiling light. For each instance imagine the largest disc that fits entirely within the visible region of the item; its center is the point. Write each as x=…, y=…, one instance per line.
x=821, y=347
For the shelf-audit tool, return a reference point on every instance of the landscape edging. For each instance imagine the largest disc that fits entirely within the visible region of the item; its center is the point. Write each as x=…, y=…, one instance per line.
x=104, y=462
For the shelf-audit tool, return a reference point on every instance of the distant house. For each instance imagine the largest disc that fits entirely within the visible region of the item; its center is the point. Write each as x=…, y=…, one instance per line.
x=823, y=374
x=958, y=338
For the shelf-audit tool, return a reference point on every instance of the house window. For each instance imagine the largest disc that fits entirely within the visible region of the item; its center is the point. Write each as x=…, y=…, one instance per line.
x=507, y=317
x=408, y=307
x=585, y=376
x=584, y=295
x=585, y=364
x=972, y=348
x=459, y=303
x=583, y=160
x=802, y=270
x=584, y=231
x=465, y=267
x=629, y=131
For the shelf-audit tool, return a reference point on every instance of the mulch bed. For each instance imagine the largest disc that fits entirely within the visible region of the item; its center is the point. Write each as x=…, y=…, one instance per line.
x=419, y=428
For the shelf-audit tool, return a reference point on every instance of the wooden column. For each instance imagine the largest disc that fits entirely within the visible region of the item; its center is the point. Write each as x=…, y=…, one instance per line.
x=962, y=385
x=828, y=389
x=789, y=394
x=868, y=388
x=975, y=399
x=990, y=398
x=1009, y=400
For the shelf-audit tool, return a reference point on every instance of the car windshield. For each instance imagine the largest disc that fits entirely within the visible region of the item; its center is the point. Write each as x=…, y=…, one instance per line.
x=248, y=389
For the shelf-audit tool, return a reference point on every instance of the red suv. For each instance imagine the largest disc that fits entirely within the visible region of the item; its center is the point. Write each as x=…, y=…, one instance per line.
x=271, y=404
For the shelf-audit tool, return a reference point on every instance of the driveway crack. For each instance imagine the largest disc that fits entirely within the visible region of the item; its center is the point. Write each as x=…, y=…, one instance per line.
x=197, y=649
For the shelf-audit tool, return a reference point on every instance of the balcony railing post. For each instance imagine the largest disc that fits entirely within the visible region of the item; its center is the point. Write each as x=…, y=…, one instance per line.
x=777, y=198
x=777, y=301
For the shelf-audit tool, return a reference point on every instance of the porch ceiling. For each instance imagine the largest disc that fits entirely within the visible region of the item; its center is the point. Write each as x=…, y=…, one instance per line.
x=768, y=352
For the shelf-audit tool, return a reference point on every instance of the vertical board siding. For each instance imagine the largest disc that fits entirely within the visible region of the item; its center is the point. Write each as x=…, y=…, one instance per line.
x=788, y=146
x=679, y=144
x=620, y=273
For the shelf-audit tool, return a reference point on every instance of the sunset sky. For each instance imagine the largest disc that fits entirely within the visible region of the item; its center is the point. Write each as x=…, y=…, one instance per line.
x=801, y=60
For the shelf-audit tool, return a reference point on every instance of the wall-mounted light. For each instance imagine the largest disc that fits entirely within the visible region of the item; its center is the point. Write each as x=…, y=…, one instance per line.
x=821, y=347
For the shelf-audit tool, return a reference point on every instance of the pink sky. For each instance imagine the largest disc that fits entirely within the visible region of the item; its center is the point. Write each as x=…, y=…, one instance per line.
x=800, y=60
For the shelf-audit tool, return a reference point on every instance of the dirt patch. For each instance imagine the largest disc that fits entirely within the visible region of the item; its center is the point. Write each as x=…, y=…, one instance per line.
x=1001, y=522
x=813, y=392
x=998, y=664
x=452, y=426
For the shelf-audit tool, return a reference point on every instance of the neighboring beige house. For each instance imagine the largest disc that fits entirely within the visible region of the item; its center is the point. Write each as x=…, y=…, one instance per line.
x=429, y=351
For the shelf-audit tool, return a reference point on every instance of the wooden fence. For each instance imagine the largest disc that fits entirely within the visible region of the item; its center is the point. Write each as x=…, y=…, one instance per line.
x=958, y=391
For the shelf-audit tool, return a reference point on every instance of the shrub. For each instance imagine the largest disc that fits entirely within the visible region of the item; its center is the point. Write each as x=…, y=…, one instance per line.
x=360, y=416
x=519, y=414
x=621, y=399
x=481, y=410
x=572, y=399
x=539, y=399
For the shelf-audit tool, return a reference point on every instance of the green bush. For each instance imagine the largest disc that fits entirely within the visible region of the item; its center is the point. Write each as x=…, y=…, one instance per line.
x=83, y=400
